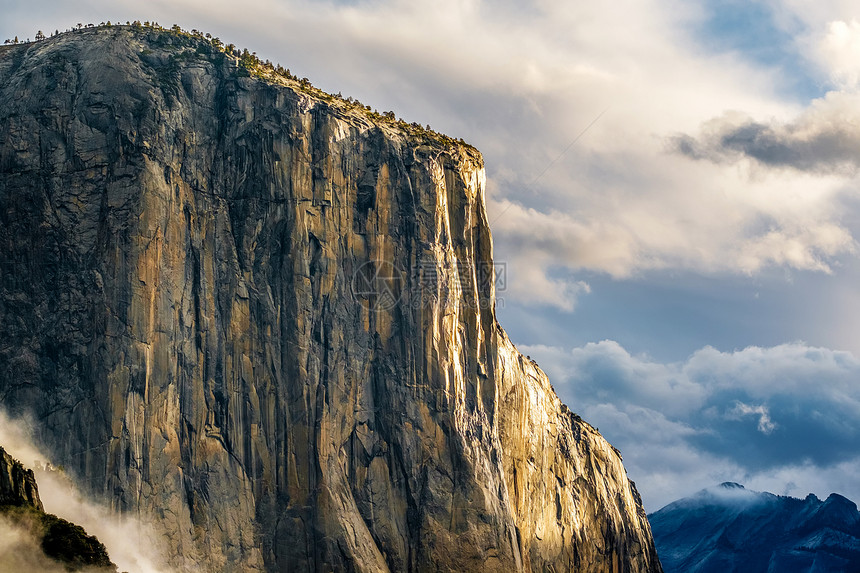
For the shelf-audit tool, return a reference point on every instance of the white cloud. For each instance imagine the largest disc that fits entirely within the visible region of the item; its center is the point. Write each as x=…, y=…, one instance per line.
x=758, y=416
x=765, y=424
x=840, y=51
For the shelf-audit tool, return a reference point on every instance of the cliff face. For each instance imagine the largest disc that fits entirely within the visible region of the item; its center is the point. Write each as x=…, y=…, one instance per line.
x=266, y=319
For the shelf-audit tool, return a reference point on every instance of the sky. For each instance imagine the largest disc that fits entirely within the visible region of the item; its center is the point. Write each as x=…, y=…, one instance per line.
x=672, y=186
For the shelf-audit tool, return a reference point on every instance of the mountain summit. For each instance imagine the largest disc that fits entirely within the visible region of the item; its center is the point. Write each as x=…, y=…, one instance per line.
x=264, y=317
x=728, y=529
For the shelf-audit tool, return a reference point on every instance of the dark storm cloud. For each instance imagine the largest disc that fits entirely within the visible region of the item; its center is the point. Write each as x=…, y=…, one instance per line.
x=824, y=139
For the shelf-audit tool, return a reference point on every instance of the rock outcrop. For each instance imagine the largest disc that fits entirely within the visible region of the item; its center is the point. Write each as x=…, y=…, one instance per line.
x=17, y=484
x=730, y=529
x=33, y=540
x=264, y=317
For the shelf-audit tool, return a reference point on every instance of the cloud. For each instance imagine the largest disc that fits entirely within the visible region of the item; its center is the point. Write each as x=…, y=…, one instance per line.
x=530, y=282
x=840, y=52
x=795, y=231
x=757, y=415
x=823, y=139
x=765, y=424
x=131, y=544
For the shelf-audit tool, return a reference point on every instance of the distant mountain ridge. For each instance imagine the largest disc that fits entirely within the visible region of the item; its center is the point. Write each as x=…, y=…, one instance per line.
x=729, y=528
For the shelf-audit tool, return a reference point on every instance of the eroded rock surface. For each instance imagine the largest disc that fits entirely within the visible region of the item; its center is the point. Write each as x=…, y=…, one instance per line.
x=265, y=318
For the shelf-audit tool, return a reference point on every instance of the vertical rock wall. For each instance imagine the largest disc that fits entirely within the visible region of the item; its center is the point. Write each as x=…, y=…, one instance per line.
x=264, y=319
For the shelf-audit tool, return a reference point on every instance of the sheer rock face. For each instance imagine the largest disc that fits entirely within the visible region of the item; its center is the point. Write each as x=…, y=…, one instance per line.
x=17, y=484
x=265, y=320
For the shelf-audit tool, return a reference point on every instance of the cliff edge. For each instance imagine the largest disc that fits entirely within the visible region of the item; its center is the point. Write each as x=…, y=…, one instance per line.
x=264, y=317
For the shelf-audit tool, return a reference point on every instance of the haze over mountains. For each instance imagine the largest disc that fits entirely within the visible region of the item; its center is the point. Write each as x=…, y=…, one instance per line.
x=34, y=541
x=730, y=529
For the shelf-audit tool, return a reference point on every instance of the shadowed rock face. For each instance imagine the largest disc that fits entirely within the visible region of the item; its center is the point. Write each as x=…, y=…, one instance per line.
x=265, y=319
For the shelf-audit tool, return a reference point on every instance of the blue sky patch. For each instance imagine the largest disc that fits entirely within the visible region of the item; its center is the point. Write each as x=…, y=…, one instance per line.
x=764, y=38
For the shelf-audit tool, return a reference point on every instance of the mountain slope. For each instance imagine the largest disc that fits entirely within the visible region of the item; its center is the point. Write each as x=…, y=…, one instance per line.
x=729, y=528
x=264, y=317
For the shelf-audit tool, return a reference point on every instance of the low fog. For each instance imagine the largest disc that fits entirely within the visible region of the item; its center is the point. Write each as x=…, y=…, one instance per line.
x=131, y=544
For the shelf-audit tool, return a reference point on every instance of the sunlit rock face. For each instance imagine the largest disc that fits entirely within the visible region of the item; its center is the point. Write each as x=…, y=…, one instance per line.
x=265, y=319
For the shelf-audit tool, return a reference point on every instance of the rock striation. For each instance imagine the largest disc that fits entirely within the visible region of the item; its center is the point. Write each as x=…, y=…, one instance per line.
x=728, y=529
x=264, y=317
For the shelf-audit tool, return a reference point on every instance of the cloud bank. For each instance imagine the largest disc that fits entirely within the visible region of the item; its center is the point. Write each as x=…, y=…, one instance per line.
x=785, y=419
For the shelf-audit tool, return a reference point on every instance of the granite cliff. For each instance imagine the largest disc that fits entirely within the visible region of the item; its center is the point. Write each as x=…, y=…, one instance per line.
x=264, y=317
